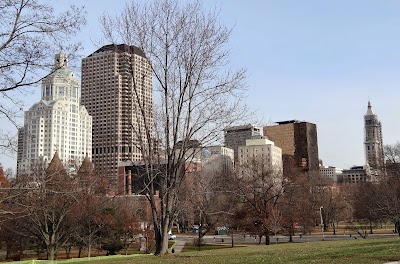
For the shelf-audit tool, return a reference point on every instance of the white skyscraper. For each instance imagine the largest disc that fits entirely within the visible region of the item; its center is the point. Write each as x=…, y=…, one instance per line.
x=58, y=122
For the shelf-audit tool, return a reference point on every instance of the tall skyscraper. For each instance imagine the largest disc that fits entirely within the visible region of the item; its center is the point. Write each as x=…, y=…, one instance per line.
x=117, y=91
x=373, y=139
x=298, y=141
x=236, y=136
x=58, y=123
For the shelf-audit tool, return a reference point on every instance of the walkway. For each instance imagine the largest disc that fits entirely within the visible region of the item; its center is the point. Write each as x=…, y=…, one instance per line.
x=179, y=245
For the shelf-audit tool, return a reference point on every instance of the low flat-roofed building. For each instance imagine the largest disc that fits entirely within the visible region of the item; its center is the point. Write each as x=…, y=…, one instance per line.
x=332, y=173
x=356, y=174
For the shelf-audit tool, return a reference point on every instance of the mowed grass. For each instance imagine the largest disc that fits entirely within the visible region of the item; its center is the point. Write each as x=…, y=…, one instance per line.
x=350, y=251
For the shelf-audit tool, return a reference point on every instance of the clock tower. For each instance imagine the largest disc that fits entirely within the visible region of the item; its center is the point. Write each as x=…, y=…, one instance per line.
x=373, y=139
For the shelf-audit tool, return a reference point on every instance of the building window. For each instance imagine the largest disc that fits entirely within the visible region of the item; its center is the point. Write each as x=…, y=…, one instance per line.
x=47, y=90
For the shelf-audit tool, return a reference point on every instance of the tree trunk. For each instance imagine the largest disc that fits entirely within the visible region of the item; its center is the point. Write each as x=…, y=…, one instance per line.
x=79, y=252
x=259, y=239
x=232, y=236
x=161, y=242
x=90, y=246
x=157, y=241
x=68, y=251
x=291, y=233
x=370, y=227
x=200, y=231
x=267, y=242
x=334, y=228
x=51, y=252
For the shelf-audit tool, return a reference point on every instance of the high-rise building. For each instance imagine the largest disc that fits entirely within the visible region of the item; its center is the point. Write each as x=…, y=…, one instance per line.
x=373, y=139
x=298, y=141
x=236, y=136
x=58, y=123
x=117, y=91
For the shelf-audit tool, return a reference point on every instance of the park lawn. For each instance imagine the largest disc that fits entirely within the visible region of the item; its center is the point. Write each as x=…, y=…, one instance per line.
x=205, y=247
x=349, y=251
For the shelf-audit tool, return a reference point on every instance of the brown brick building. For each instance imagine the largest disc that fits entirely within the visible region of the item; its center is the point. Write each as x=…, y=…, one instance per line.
x=298, y=141
x=116, y=79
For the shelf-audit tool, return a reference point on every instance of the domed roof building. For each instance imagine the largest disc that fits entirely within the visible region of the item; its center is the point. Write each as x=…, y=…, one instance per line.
x=58, y=123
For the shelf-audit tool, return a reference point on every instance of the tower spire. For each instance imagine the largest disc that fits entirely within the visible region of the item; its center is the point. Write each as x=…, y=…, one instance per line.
x=369, y=111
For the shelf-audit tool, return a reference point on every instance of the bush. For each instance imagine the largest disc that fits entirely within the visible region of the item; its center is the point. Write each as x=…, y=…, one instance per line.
x=112, y=246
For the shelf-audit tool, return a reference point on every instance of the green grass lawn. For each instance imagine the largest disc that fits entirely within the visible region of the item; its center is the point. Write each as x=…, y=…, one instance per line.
x=349, y=251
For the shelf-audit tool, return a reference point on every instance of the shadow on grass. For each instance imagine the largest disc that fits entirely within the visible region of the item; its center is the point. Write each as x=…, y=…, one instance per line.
x=191, y=247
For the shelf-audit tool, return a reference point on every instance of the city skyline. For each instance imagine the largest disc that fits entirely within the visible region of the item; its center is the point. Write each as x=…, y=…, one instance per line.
x=314, y=61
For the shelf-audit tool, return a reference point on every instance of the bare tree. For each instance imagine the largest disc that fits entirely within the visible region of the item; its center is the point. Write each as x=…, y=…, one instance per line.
x=258, y=188
x=44, y=200
x=30, y=33
x=326, y=195
x=87, y=214
x=196, y=94
x=211, y=200
x=364, y=204
x=296, y=203
x=387, y=188
x=275, y=221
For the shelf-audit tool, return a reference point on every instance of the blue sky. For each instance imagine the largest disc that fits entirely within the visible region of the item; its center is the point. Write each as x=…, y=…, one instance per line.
x=317, y=61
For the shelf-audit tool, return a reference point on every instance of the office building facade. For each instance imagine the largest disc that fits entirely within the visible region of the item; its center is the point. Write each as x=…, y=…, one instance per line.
x=117, y=91
x=333, y=173
x=356, y=174
x=298, y=141
x=260, y=155
x=56, y=124
x=236, y=136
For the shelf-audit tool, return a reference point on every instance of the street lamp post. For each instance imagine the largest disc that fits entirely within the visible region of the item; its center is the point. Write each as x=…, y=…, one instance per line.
x=322, y=222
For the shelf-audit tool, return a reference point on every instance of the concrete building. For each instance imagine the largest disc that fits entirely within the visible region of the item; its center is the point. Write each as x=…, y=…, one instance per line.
x=261, y=153
x=298, y=141
x=236, y=136
x=116, y=87
x=58, y=123
x=20, y=148
x=373, y=139
x=213, y=158
x=356, y=174
x=330, y=172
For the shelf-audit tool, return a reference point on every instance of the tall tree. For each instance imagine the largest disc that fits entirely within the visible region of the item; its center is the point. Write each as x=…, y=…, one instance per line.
x=30, y=33
x=45, y=199
x=197, y=94
x=296, y=203
x=364, y=204
x=258, y=188
x=87, y=214
x=388, y=186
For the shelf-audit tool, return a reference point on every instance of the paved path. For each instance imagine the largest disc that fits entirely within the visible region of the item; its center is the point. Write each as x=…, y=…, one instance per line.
x=179, y=245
